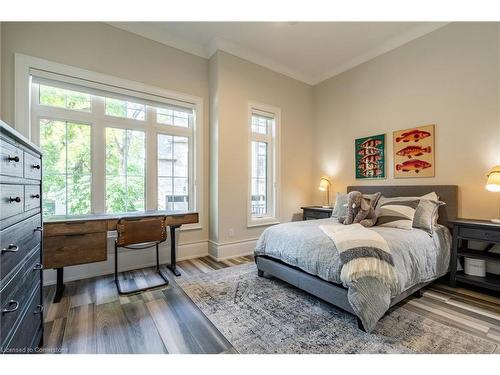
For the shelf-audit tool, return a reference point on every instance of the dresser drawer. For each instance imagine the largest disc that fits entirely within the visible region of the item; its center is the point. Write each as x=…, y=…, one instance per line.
x=479, y=234
x=76, y=227
x=33, y=270
x=17, y=241
x=31, y=197
x=11, y=160
x=11, y=200
x=14, y=299
x=70, y=250
x=32, y=167
x=26, y=332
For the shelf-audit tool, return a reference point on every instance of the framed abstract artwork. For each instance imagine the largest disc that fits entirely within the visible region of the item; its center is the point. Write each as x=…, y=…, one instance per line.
x=414, y=152
x=370, y=157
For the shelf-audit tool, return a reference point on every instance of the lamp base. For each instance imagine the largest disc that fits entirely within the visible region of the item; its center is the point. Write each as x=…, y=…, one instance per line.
x=496, y=221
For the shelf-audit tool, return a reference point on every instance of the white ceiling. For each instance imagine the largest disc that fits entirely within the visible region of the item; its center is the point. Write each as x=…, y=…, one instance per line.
x=307, y=51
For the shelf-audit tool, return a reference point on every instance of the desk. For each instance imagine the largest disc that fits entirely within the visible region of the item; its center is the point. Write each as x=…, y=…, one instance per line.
x=74, y=240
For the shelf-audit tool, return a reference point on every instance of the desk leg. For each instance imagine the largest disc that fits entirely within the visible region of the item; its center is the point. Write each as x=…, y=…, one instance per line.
x=60, y=285
x=173, y=262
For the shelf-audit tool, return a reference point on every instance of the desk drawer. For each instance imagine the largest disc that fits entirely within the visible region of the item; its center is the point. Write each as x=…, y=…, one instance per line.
x=31, y=197
x=17, y=241
x=73, y=249
x=11, y=160
x=182, y=219
x=32, y=167
x=76, y=227
x=479, y=234
x=11, y=200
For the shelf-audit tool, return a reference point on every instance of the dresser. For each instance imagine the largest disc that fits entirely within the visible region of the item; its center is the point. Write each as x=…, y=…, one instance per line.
x=21, y=267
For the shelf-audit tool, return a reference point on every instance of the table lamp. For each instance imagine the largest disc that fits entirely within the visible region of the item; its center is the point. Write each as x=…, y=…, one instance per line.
x=325, y=184
x=493, y=184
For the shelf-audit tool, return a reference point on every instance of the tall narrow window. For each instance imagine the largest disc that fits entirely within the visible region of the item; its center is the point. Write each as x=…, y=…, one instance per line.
x=125, y=170
x=66, y=167
x=263, y=164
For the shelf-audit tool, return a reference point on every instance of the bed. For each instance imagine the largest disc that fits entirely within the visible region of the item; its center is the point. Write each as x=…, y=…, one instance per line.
x=301, y=254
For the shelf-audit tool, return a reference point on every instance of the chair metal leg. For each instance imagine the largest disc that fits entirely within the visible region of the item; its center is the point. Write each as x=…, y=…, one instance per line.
x=117, y=282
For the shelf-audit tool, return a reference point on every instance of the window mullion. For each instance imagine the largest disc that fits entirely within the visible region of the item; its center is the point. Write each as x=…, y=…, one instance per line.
x=151, y=171
x=98, y=153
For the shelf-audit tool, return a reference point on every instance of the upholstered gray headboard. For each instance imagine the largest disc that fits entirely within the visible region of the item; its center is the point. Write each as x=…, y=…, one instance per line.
x=446, y=193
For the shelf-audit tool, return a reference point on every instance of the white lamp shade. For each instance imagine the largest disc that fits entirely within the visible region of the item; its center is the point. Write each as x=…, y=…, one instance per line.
x=324, y=184
x=493, y=182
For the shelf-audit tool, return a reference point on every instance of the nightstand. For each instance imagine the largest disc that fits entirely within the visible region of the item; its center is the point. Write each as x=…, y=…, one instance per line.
x=316, y=212
x=475, y=230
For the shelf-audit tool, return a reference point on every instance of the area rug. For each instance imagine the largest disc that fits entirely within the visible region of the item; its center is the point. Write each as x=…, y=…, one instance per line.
x=265, y=315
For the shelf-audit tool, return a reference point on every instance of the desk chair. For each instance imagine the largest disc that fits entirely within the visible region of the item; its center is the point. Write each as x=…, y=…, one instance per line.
x=139, y=234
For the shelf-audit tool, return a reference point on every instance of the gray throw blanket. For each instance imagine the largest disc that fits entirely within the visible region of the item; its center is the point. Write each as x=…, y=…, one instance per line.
x=366, y=260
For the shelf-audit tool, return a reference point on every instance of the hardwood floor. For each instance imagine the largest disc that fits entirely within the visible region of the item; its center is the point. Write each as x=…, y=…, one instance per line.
x=93, y=318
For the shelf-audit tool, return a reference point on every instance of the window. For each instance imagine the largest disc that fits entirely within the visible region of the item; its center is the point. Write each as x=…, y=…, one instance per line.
x=125, y=170
x=263, y=176
x=112, y=153
x=66, y=167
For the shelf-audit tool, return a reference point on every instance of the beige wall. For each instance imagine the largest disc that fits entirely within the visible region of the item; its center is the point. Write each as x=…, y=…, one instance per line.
x=105, y=49
x=449, y=78
x=239, y=82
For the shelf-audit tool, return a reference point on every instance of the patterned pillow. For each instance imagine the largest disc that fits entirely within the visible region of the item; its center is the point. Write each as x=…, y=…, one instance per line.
x=396, y=212
x=340, y=207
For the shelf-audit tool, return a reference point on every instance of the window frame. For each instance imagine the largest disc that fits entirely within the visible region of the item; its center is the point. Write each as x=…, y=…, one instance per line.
x=273, y=163
x=27, y=103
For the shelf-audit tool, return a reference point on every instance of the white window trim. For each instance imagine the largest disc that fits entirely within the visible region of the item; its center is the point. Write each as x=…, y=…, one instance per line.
x=273, y=218
x=24, y=123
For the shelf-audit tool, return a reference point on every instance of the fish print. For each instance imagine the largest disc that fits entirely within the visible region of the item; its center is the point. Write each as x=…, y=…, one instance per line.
x=373, y=158
x=414, y=151
x=413, y=135
x=371, y=143
x=368, y=150
x=413, y=165
x=372, y=173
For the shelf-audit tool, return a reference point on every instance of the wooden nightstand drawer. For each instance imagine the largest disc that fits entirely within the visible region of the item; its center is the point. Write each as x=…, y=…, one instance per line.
x=316, y=212
x=479, y=234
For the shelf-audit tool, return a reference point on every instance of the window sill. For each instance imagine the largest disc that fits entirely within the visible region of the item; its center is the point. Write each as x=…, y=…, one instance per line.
x=266, y=221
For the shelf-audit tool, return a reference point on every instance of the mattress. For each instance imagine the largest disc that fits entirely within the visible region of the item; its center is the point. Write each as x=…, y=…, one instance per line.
x=418, y=257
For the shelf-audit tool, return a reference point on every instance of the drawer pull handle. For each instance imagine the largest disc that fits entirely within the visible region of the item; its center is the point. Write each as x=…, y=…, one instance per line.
x=13, y=308
x=35, y=196
x=38, y=229
x=11, y=249
x=39, y=309
x=16, y=199
x=35, y=166
x=38, y=267
x=13, y=158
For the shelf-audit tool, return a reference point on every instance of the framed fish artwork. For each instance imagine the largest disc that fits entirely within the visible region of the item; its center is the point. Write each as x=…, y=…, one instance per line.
x=414, y=152
x=370, y=157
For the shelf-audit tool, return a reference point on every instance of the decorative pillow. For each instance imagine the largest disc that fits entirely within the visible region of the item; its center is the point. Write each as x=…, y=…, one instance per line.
x=373, y=198
x=397, y=212
x=426, y=215
x=340, y=207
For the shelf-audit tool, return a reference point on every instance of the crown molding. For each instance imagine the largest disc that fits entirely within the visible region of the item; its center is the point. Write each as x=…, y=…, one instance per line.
x=206, y=51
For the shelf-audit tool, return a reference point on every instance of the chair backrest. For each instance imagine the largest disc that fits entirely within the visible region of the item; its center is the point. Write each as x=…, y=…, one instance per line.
x=134, y=231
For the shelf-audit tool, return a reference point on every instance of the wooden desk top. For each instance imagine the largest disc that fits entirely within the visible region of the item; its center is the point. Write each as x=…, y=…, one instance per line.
x=112, y=217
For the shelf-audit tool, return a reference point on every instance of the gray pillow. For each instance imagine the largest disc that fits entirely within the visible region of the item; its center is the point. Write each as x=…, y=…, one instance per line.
x=340, y=208
x=426, y=214
x=373, y=198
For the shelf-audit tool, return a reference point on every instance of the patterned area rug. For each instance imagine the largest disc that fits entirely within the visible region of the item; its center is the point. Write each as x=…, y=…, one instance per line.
x=260, y=315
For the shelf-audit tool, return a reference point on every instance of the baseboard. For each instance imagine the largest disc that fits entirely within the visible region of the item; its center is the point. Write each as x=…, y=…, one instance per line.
x=221, y=251
x=128, y=260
